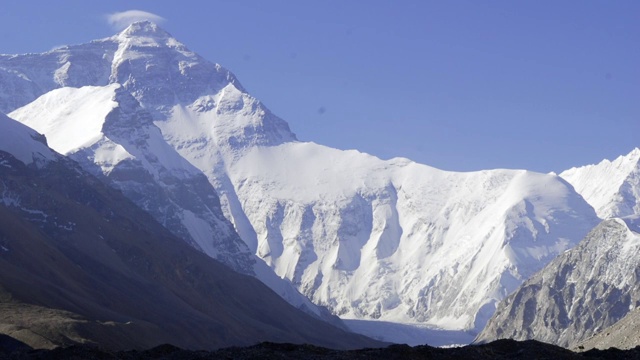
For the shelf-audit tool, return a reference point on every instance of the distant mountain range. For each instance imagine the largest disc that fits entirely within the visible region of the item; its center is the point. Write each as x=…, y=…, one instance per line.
x=333, y=232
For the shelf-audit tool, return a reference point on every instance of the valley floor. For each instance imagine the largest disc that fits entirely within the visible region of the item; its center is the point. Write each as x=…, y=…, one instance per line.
x=410, y=334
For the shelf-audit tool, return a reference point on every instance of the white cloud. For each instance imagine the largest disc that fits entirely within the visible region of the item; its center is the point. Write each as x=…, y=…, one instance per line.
x=121, y=20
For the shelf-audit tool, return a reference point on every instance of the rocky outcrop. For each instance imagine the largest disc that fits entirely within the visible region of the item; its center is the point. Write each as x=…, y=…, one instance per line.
x=624, y=334
x=580, y=293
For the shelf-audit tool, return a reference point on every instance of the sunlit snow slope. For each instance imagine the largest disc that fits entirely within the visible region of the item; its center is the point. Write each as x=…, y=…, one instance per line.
x=611, y=187
x=370, y=239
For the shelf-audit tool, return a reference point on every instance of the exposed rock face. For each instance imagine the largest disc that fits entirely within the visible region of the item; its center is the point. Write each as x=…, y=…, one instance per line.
x=580, y=293
x=624, y=334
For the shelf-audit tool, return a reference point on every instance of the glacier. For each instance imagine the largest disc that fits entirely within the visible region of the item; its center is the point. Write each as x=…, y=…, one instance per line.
x=369, y=239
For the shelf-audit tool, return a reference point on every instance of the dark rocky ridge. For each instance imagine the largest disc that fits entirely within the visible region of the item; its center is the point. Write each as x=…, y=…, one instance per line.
x=501, y=349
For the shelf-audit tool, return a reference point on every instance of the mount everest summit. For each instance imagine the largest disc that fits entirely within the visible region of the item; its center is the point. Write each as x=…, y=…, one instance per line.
x=369, y=239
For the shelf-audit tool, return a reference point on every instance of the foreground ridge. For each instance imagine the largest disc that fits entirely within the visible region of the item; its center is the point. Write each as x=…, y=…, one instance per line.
x=502, y=349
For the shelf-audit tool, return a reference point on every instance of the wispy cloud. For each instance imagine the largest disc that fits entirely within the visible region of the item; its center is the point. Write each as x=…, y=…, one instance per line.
x=121, y=20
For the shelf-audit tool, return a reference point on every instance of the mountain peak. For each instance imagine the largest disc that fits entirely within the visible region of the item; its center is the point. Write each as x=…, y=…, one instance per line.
x=145, y=28
x=612, y=187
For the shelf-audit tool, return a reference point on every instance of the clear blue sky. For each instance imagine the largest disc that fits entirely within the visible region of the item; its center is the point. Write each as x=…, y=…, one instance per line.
x=459, y=85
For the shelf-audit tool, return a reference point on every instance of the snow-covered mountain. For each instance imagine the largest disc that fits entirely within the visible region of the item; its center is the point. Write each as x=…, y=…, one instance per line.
x=611, y=187
x=398, y=241
x=581, y=292
x=82, y=264
x=375, y=239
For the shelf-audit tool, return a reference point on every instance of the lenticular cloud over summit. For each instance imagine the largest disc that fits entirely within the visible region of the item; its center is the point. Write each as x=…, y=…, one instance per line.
x=121, y=20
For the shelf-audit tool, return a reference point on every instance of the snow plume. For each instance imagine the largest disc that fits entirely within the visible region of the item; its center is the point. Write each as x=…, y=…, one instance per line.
x=121, y=20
